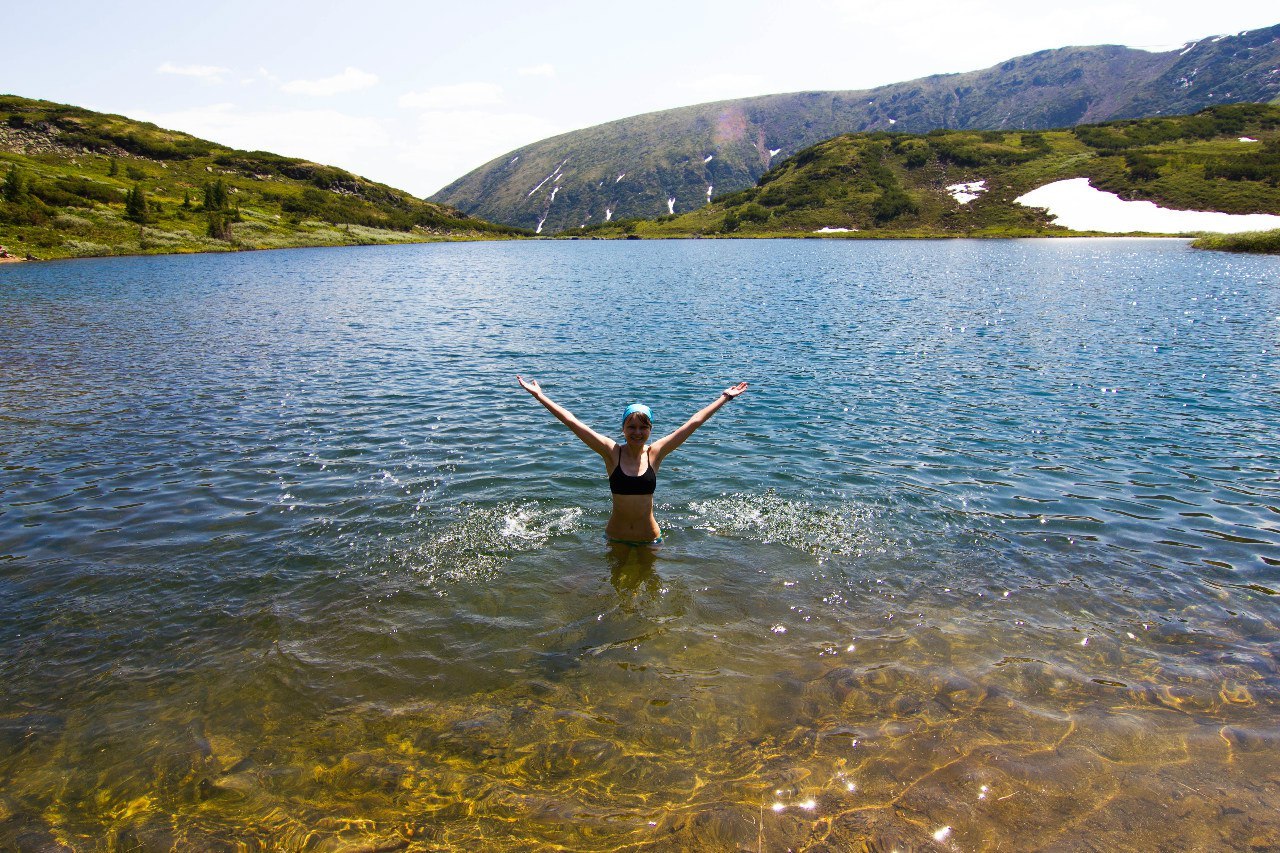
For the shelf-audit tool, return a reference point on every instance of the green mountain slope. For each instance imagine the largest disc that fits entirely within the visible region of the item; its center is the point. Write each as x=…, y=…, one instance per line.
x=79, y=183
x=909, y=184
x=673, y=161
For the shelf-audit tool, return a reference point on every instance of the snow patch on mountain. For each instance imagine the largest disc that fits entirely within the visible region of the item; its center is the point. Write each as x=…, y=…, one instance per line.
x=1077, y=205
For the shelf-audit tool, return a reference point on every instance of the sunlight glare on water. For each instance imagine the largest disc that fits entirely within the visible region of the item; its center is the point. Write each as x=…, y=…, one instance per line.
x=985, y=558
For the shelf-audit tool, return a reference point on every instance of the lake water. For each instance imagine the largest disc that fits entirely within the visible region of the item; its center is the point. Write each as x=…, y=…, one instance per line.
x=986, y=558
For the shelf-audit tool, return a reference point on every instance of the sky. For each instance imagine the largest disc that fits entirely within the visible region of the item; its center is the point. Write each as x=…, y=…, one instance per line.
x=417, y=94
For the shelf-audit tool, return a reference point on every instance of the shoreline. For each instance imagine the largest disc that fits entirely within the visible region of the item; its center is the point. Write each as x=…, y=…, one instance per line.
x=16, y=259
x=856, y=235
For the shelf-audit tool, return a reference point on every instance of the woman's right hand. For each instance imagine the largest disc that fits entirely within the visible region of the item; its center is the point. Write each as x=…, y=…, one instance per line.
x=530, y=385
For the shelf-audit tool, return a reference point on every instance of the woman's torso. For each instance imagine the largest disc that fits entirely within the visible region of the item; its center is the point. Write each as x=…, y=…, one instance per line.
x=632, y=489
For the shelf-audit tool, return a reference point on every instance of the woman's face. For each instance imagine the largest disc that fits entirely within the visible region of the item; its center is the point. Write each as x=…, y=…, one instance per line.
x=636, y=428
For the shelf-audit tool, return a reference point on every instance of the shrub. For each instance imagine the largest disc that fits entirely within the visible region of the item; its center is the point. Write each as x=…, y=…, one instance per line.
x=90, y=190
x=802, y=200
x=57, y=197
x=915, y=153
x=1143, y=167
x=740, y=197
x=14, y=185
x=1035, y=142
x=71, y=222
x=805, y=157
x=1261, y=166
x=773, y=197
x=891, y=204
x=29, y=211
x=311, y=202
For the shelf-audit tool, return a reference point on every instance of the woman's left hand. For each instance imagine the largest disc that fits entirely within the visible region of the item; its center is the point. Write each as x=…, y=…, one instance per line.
x=734, y=390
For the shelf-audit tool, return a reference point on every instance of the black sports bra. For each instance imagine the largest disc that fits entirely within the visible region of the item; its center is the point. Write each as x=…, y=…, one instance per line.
x=621, y=483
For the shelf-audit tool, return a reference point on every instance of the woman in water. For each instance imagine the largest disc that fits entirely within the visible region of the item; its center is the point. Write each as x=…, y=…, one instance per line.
x=632, y=466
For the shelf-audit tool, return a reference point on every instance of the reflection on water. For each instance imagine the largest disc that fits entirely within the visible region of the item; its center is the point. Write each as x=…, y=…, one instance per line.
x=984, y=560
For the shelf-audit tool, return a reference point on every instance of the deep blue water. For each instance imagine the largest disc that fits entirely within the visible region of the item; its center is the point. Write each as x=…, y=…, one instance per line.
x=992, y=543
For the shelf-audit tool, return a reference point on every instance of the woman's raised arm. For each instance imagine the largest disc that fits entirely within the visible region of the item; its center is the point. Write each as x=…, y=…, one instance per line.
x=590, y=437
x=668, y=443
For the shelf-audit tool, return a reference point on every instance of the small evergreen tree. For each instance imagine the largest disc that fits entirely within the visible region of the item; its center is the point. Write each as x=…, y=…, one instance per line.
x=135, y=205
x=219, y=226
x=186, y=199
x=215, y=195
x=113, y=167
x=14, y=187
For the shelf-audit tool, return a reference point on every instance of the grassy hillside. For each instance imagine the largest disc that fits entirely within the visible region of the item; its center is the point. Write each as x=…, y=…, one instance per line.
x=885, y=184
x=646, y=165
x=78, y=183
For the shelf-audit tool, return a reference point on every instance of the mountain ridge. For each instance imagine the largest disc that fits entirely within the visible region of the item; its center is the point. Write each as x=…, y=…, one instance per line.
x=967, y=183
x=675, y=160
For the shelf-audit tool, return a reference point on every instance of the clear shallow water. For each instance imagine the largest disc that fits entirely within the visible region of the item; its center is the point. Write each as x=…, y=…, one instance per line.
x=987, y=557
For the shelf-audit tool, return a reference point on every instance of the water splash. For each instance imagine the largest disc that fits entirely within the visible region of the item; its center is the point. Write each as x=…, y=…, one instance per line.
x=482, y=539
x=770, y=517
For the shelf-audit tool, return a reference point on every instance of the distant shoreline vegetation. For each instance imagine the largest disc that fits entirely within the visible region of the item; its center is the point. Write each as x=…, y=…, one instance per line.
x=76, y=183
x=1253, y=242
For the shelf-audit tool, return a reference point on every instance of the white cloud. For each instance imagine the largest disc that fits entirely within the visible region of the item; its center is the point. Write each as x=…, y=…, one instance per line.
x=457, y=96
x=546, y=69
x=450, y=143
x=324, y=136
x=209, y=73
x=350, y=80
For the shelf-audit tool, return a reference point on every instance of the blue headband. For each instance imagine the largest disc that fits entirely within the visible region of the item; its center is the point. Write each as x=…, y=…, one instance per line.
x=638, y=408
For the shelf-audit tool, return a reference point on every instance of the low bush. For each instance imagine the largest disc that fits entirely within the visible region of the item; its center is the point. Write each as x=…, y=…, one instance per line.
x=54, y=196
x=1257, y=242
